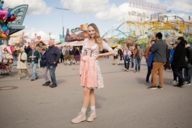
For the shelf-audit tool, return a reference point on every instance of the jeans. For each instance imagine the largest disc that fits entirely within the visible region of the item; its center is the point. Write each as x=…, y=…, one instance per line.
x=52, y=74
x=137, y=64
x=126, y=61
x=34, y=70
x=132, y=62
x=188, y=73
x=46, y=73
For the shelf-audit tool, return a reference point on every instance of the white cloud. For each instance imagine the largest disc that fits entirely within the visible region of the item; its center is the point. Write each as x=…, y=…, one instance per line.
x=101, y=8
x=122, y=12
x=35, y=6
x=185, y=6
x=85, y=6
x=182, y=9
x=153, y=1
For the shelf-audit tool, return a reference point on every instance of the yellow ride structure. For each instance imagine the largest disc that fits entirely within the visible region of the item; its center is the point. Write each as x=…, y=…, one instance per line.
x=178, y=25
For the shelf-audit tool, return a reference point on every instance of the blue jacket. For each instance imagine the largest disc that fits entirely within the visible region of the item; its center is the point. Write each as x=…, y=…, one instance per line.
x=171, y=54
x=52, y=56
x=150, y=60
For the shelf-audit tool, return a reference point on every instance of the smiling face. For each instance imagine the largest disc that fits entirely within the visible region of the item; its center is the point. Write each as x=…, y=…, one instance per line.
x=91, y=32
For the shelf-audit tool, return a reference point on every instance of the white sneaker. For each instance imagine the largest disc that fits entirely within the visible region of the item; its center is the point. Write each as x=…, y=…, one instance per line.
x=81, y=117
x=91, y=117
x=187, y=83
x=174, y=82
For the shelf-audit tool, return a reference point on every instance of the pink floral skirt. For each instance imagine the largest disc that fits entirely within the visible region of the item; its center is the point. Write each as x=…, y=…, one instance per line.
x=90, y=73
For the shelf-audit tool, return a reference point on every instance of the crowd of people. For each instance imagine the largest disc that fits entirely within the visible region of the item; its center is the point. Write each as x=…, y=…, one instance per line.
x=45, y=57
x=177, y=56
x=158, y=55
x=70, y=55
x=130, y=55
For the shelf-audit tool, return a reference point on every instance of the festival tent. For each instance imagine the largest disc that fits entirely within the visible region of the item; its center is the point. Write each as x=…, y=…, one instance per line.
x=74, y=43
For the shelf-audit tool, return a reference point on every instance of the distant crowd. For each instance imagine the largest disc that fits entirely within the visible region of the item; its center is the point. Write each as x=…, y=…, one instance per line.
x=159, y=56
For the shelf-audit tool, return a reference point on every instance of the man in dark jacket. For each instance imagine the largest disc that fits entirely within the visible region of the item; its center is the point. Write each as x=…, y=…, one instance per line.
x=43, y=65
x=52, y=58
x=179, y=62
x=159, y=50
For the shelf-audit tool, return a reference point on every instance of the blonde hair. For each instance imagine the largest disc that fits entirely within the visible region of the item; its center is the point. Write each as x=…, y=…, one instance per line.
x=98, y=39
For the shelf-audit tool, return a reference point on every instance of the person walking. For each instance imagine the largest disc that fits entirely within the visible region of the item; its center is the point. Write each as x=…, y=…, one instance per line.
x=159, y=50
x=43, y=65
x=90, y=74
x=179, y=62
x=137, y=54
x=34, y=56
x=126, y=57
x=22, y=64
x=171, y=55
x=52, y=59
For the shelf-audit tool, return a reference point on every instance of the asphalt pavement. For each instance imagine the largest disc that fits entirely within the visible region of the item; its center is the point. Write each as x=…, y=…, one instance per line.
x=124, y=102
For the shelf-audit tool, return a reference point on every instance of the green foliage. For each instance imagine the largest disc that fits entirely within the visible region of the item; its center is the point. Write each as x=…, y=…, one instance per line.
x=143, y=41
x=121, y=41
x=189, y=39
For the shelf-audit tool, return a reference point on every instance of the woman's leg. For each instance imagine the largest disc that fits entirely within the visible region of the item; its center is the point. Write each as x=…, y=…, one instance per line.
x=86, y=97
x=92, y=97
x=86, y=100
x=92, y=115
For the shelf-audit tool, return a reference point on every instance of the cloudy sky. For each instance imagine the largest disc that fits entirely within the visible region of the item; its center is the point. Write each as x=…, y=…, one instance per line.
x=43, y=17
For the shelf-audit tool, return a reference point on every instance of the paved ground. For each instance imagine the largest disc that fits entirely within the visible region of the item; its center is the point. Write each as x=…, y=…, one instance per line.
x=125, y=101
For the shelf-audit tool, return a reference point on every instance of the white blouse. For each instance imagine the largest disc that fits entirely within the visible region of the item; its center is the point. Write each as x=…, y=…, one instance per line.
x=94, y=50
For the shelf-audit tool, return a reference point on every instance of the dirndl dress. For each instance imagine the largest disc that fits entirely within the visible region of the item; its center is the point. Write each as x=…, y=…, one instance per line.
x=90, y=73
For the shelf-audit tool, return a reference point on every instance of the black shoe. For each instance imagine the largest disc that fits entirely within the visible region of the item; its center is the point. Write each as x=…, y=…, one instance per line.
x=53, y=85
x=46, y=83
x=159, y=87
x=180, y=85
x=33, y=79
